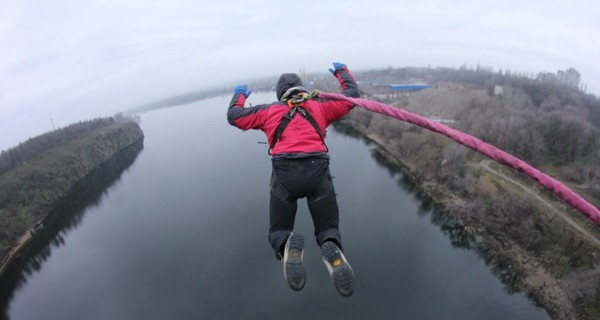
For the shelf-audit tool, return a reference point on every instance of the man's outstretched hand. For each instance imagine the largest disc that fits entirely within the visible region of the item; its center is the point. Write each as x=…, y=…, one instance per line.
x=243, y=89
x=336, y=67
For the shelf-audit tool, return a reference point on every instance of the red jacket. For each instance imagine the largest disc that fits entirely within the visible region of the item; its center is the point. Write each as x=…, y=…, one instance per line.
x=299, y=136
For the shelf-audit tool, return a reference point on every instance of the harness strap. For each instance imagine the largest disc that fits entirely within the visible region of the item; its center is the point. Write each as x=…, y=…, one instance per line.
x=306, y=115
x=296, y=107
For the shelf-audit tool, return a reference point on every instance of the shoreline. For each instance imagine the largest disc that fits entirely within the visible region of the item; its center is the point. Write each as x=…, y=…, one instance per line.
x=529, y=273
x=15, y=251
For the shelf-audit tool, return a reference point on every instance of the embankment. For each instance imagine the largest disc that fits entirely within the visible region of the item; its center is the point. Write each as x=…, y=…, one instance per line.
x=524, y=243
x=30, y=190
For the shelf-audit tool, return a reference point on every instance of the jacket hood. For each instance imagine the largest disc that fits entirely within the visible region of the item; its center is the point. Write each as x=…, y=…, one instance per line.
x=286, y=82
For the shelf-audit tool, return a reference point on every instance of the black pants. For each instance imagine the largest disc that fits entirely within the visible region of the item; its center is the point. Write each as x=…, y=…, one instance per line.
x=298, y=178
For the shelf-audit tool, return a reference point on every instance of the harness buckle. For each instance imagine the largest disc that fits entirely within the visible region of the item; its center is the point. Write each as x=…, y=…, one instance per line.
x=304, y=113
x=297, y=100
x=290, y=114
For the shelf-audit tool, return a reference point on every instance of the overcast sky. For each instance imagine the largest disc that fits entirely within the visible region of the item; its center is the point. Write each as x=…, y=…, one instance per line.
x=70, y=60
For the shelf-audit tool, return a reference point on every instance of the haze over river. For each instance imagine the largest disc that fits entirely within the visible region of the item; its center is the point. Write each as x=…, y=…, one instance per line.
x=180, y=232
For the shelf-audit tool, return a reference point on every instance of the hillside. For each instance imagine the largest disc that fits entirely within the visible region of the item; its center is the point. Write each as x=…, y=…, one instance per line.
x=43, y=170
x=528, y=244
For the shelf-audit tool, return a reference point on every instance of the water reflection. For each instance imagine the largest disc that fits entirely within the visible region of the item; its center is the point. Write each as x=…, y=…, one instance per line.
x=500, y=265
x=64, y=217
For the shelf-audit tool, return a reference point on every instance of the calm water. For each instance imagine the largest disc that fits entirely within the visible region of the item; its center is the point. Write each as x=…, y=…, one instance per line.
x=179, y=231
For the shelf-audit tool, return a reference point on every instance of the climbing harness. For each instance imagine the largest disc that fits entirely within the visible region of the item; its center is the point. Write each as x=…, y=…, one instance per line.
x=295, y=104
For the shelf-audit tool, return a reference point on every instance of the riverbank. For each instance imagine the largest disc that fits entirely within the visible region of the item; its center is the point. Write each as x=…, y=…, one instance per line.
x=30, y=190
x=523, y=243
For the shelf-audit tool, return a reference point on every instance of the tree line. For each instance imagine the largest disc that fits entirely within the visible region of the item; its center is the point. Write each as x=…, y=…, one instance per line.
x=26, y=151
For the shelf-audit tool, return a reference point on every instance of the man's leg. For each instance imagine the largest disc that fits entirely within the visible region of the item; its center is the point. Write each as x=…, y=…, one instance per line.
x=282, y=215
x=325, y=213
x=288, y=246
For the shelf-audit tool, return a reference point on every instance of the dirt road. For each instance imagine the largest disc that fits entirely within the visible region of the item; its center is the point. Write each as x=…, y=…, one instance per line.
x=485, y=164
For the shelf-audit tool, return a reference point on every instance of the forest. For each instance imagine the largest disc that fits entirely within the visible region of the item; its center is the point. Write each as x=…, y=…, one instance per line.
x=26, y=151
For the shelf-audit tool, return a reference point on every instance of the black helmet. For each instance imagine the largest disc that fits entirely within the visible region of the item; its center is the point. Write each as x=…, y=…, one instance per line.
x=286, y=82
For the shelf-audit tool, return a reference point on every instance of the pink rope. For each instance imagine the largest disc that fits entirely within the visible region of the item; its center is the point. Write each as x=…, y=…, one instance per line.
x=562, y=191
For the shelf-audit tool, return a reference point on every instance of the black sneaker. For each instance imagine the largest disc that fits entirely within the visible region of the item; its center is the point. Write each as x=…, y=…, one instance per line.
x=340, y=271
x=293, y=268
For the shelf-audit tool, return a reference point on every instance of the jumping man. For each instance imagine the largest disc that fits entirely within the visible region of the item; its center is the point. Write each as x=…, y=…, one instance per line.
x=295, y=128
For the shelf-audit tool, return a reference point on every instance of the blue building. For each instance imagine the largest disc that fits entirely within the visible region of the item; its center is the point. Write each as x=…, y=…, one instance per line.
x=409, y=87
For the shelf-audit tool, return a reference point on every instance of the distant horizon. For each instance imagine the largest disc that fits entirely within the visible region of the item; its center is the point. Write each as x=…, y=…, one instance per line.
x=232, y=84
x=228, y=86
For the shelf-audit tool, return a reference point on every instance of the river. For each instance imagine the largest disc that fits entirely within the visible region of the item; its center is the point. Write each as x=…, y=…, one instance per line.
x=180, y=232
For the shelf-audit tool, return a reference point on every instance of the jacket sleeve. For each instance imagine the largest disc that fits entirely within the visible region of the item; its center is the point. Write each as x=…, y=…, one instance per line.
x=246, y=118
x=347, y=82
x=335, y=109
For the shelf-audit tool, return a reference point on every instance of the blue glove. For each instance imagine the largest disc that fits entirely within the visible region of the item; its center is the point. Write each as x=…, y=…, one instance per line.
x=337, y=66
x=243, y=89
